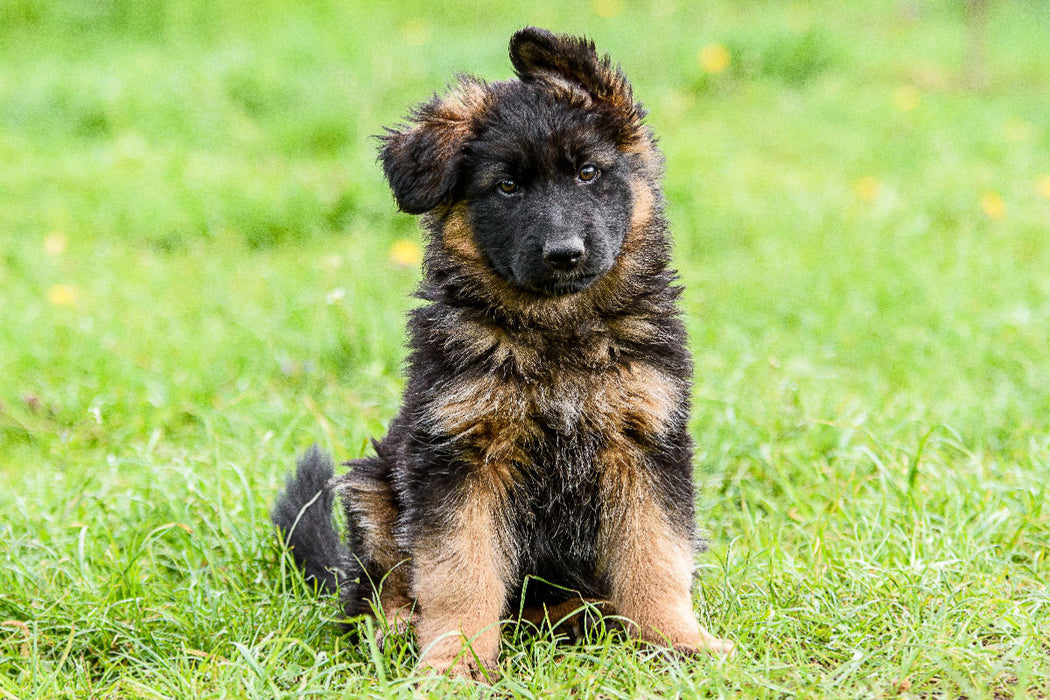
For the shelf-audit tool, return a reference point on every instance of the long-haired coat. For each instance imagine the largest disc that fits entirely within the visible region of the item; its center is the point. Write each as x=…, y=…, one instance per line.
x=540, y=457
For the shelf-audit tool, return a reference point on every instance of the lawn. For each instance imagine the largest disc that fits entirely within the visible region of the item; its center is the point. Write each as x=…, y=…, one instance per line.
x=202, y=273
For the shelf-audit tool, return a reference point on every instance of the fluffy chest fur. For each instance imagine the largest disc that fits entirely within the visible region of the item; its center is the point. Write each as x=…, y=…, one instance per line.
x=587, y=384
x=542, y=420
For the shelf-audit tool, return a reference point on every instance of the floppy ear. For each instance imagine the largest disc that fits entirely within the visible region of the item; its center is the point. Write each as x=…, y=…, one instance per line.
x=540, y=55
x=421, y=161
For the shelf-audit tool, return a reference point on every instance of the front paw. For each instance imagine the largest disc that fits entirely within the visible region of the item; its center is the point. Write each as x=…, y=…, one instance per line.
x=707, y=643
x=462, y=665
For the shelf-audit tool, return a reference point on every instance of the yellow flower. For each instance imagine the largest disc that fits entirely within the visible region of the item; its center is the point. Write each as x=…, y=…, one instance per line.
x=63, y=294
x=1043, y=185
x=55, y=244
x=606, y=8
x=866, y=188
x=993, y=205
x=406, y=253
x=906, y=98
x=714, y=58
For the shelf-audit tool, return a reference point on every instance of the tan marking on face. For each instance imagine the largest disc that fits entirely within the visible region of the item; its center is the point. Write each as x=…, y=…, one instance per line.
x=460, y=583
x=634, y=260
x=639, y=232
x=458, y=236
x=641, y=145
x=642, y=201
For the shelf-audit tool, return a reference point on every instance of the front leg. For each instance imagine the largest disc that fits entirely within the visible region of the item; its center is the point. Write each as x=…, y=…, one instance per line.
x=460, y=583
x=646, y=551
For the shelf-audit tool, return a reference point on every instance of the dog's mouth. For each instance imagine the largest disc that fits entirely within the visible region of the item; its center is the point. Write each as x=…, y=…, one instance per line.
x=563, y=286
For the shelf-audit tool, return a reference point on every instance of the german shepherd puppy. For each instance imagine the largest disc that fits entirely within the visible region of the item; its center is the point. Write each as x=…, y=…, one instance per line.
x=540, y=457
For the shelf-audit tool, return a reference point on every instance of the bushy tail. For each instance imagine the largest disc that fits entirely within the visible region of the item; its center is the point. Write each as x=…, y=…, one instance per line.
x=303, y=516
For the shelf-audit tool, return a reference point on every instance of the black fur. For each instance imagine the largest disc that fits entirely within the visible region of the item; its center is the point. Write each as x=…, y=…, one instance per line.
x=552, y=209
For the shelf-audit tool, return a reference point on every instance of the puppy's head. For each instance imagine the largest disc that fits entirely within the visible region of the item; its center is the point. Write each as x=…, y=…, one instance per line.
x=549, y=168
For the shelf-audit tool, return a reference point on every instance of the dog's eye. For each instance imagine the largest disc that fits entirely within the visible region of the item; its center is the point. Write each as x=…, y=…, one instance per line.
x=587, y=173
x=508, y=186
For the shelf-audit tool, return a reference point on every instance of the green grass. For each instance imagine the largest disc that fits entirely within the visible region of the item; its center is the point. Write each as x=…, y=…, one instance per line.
x=195, y=284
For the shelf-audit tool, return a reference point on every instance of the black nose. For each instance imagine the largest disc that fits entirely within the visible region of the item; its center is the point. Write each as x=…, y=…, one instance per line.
x=564, y=256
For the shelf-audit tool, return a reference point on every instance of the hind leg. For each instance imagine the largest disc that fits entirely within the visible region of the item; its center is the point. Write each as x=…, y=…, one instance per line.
x=371, y=513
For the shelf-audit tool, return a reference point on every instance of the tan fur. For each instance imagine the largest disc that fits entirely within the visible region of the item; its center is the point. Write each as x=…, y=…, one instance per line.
x=642, y=202
x=373, y=503
x=469, y=339
x=491, y=420
x=498, y=413
x=632, y=258
x=649, y=398
x=543, y=363
x=568, y=91
x=397, y=609
x=544, y=432
x=458, y=237
x=649, y=565
x=460, y=582
x=454, y=116
x=632, y=328
x=466, y=102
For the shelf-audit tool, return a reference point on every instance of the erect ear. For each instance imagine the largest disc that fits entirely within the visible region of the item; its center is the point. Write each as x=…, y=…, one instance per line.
x=540, y=55
x=421, y=161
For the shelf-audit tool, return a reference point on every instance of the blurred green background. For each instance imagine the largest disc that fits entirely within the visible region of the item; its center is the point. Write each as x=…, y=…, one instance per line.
x=858, y=191
x=202, y=271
